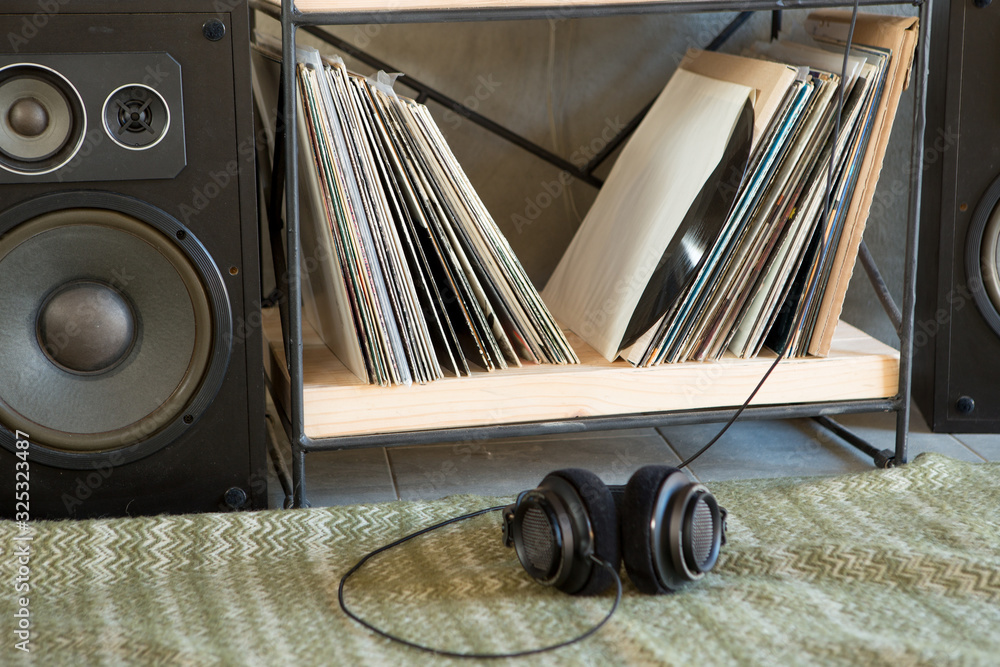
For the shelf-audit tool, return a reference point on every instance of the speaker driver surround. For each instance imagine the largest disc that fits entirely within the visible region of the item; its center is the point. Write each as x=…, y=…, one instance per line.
x=990, y=258
x=982, y=256
x=118, y=340
x=42, y=119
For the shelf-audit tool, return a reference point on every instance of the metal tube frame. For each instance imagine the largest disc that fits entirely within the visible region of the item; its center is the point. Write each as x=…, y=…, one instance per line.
x=584, y=174
x=294, y=421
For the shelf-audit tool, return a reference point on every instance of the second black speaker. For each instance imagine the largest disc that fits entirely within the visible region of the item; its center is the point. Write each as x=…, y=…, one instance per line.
x=957, y=327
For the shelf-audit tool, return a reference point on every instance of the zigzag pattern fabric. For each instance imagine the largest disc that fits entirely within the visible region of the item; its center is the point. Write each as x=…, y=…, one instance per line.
x=886, y=567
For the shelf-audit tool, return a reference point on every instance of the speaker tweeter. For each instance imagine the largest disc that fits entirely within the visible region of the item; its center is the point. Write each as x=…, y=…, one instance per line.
x=136, y=117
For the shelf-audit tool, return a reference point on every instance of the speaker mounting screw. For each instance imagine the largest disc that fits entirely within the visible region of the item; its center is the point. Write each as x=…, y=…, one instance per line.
x=214, y=30
x=965, y=405
x=235, y=498
x=188, y=419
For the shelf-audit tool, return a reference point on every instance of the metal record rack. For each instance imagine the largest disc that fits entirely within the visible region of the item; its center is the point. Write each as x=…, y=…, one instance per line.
x=285, y=179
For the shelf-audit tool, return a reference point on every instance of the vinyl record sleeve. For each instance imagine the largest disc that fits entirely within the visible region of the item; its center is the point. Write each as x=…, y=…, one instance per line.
x=766, y=162
x=602, y=275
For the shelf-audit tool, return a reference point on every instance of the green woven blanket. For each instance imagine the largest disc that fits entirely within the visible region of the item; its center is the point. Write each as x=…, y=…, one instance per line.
x=898, y=567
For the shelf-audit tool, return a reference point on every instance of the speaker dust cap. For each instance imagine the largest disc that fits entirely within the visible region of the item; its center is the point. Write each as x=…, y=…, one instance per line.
x=42, y=119
x=116, y=327
x=86, y=327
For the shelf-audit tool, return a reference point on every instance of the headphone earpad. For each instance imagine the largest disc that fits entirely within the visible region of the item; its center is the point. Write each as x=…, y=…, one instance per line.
x=636, y=516
x=600, y=507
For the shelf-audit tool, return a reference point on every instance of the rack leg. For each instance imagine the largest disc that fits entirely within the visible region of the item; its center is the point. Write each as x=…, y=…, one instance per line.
x=293, y=295
x=883, y=458
x=902, y=432
x=921, y=72
x=299, y=478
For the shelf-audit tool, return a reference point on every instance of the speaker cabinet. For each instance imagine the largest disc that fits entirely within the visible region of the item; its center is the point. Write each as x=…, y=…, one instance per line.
x=957, y=334
x=130, y=344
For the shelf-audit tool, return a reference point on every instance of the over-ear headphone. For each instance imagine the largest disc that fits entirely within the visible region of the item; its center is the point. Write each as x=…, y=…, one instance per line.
x=667, y=529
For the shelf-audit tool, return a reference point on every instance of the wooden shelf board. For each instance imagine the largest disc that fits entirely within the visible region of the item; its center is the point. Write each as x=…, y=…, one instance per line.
x=338, y=404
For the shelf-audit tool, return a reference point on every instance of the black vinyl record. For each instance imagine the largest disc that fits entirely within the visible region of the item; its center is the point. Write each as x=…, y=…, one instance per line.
x=697, y=232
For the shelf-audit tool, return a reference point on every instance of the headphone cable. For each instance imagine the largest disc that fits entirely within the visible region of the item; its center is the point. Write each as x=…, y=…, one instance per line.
x=826, y=214
x=607, y=566
x=454, y=654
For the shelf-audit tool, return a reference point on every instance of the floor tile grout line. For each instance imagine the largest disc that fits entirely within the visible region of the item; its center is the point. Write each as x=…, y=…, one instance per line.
x=989, y=459
x=680, y=458
x=392, y=473
x=966, y=446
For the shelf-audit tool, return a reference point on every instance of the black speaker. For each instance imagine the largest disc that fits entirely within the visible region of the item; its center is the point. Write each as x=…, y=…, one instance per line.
x=130, y=344
x=957, y=333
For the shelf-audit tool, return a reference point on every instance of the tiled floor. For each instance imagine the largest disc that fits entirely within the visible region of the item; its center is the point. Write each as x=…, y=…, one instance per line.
x=505, y=467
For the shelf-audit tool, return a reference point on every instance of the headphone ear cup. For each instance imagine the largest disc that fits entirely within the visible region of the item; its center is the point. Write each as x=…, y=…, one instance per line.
x=637, y=507
x=599, y=506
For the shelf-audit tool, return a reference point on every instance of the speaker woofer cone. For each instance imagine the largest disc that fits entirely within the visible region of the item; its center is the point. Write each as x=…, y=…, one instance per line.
x=75, y=264
x=42, y=119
